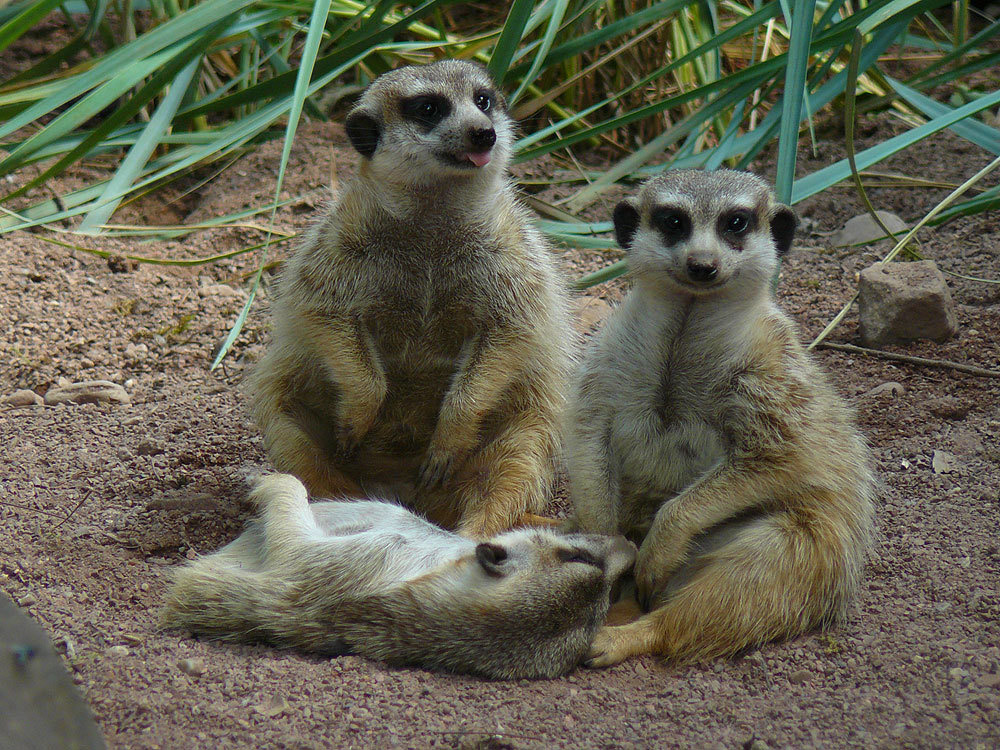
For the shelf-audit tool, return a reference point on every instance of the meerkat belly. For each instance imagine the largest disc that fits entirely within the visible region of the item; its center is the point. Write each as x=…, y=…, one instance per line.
x=421, y=333
x=664, y=442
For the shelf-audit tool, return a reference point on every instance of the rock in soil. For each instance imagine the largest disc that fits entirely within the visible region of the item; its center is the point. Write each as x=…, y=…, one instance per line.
x=902, y=302
x=88, y=392
x=24, y=397
x=863, y=229
x=41, y=707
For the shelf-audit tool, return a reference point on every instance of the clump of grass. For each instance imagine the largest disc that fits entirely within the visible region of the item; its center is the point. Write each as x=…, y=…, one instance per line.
x=169, y=87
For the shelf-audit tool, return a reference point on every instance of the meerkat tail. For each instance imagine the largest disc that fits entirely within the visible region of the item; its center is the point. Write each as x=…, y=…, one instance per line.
x=221, y=600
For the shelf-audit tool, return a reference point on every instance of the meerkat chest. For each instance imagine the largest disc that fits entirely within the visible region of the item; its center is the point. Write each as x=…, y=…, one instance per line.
x=668, y=427
x=426, y=309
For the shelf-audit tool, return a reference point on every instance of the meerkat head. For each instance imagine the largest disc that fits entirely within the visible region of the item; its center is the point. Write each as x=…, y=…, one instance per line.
x=705, y=232
x=540, y=597
x=423, y=124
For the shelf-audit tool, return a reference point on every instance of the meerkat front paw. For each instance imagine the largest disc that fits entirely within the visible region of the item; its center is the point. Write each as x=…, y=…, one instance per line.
x=444, y=458
x=654, y=565
x=353, y=423
x=607, y=649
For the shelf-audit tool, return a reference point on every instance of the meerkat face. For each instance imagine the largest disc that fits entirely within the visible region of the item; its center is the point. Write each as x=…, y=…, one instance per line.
x=424, y=124
x=704, y=232
x=540, y=567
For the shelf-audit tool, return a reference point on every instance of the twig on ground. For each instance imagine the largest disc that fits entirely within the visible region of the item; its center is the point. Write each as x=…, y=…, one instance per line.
x=943, y=363
x=74, y=510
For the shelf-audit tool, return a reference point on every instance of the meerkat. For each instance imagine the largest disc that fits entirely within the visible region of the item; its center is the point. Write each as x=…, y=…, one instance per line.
x=703, y=431
x=375, y=579
x=422, y=339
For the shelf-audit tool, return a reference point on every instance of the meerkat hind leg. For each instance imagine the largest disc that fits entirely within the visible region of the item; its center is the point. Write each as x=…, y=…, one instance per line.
x=756, y=581
x=285, y=518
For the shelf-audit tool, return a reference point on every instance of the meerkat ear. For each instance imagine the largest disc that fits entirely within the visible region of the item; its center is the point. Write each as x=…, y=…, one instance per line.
x=364, y=132
x=783, y=225
x=626, y=219
x=491, y=557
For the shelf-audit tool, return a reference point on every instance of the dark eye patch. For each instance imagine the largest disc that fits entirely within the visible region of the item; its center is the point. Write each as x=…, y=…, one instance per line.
x=671, y=222
x=426, y=110
x=738, y=222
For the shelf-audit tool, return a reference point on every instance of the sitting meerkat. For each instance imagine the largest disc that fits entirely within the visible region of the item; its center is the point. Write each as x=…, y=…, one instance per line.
x=702, y=430
x=375, y=579
x=422, y=337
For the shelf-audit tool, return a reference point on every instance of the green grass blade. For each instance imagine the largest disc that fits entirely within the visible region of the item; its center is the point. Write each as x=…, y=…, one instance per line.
x=555, y=19
x=510, y=38
x=317, y=24
x=831, y=175
x=796, y=72
x=279, y=86
x=970, y=128
x=179, y=28
x=139, y=154
x=13, y=29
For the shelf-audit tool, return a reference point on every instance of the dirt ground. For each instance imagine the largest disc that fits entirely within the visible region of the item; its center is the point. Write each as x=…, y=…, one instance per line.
x=99, y=502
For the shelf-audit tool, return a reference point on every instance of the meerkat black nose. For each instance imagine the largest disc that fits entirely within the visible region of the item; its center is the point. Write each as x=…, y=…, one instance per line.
x=701, y=272
x=482, y=138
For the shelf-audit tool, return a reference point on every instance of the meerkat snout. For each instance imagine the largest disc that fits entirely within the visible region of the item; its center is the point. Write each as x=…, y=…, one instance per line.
x=701, y=271
x=482, y=138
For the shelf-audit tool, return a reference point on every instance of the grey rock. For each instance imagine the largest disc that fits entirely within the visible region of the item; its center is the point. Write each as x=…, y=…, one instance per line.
x=41, y=707
x=943, y=462
x=947, y=407
x=901, y=302
x=218, y=290
x=24, y=397
x=863, y=229
x=116, y=652
x=799, y=676
x=88, y=392
x=149, y=447
x=890, y=388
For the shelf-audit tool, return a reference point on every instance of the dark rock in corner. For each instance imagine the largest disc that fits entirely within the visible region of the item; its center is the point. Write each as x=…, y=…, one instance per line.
x=41, y=707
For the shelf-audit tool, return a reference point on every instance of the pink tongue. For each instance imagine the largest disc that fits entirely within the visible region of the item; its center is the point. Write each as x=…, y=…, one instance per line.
x=481, y=159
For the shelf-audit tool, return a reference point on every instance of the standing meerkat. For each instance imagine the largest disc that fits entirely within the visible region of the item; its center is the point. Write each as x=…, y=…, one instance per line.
x=422, y=337
x=375, y=579
x=702, y=430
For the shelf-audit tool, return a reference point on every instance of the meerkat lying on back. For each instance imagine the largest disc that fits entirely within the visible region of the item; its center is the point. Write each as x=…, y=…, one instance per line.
x=421, y=333
x=375, y=579
x=703, y=430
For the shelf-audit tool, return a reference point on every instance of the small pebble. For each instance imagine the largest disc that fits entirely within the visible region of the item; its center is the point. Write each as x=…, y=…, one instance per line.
x=891, y=388
x=947, y=407
x=149, y=448
x=799, y=676
x=217, y=290
x=116, y=651
x=24, y=397
x=193, y=667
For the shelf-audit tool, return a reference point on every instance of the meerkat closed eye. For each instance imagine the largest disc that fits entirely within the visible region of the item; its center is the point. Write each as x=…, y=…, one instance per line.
x=421, y=338
x=701, y=429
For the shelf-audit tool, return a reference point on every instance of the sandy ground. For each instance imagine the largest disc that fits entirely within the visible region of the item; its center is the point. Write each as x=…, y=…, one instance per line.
x=98, y=502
